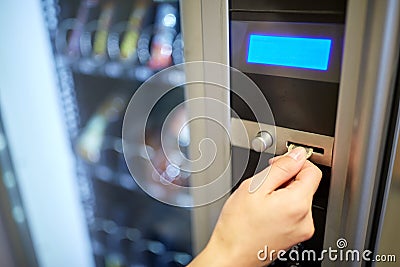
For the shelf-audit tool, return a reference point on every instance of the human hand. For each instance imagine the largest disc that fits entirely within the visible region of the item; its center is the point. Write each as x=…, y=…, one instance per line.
x=277, y=215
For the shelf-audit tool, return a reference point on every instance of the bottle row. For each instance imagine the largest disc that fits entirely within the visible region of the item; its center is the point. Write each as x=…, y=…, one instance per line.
x=115, y=245
x=104, y=32
x=100, y=147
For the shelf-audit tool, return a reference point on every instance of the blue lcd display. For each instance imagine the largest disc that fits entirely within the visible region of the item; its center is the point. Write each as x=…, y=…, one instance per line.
x=297, y=52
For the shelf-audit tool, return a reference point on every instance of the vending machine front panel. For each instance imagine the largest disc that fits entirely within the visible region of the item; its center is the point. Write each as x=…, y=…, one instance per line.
x=294, y=57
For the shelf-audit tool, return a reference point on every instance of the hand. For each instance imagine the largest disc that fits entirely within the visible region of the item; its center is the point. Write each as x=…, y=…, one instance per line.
x=277, y=214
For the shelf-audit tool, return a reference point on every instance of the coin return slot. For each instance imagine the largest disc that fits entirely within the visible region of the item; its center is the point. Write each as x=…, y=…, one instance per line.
x=317, y=150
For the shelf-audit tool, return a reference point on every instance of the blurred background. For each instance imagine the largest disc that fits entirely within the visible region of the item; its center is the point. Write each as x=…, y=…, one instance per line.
x=69, y=68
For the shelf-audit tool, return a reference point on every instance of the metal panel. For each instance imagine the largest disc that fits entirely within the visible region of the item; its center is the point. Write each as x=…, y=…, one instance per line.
x=283, y=135
x=205, y=32
x=368, y=72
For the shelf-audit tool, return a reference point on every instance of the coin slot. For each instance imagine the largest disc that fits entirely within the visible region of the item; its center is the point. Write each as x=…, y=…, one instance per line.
x=316, y=150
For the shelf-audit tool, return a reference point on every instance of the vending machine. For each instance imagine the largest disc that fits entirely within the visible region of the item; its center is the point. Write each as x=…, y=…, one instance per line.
x=71, y=68
x=82, y=185
x=329, y=74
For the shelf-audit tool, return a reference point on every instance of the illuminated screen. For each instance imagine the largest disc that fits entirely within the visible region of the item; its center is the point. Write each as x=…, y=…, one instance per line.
x=297, y=52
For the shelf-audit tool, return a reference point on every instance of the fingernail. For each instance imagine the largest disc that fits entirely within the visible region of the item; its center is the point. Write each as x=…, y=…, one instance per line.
x=298, y=153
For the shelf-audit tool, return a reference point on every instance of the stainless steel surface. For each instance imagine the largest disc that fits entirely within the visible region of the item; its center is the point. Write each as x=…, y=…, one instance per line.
x=351, y=65
x=262, y=141
x=281, y=137
x=368, y=72
x=205, y=32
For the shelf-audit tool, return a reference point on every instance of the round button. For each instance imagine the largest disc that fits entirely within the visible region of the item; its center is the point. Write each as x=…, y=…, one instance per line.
x=262, y=141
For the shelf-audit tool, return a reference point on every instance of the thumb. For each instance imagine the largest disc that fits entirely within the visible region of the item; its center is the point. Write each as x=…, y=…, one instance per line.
x=281, y=171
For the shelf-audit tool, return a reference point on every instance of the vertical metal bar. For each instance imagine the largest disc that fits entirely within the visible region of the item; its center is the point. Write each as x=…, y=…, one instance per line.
x=205, y=33
x=354, y=32
x=367, y=83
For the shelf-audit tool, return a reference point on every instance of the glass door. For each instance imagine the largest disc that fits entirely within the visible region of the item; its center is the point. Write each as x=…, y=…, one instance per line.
x=104, y=50
x=63, y=101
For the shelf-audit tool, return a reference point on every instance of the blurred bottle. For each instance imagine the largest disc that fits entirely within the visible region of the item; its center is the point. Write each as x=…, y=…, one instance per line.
x=174, y=259
x=165, y=30
x=114, y=256
x=103, y=28
x=177, y=50
x=90, y=141
x=137, y=256
x=87, y=10
x=129, y=41
x=146, y=253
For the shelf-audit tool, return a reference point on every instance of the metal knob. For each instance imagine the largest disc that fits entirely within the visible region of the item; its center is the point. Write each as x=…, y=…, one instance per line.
x=262, y=141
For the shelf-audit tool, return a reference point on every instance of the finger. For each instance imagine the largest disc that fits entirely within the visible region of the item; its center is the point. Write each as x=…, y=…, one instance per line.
x=307, y=180
x=279, y=172
x=274, y=159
